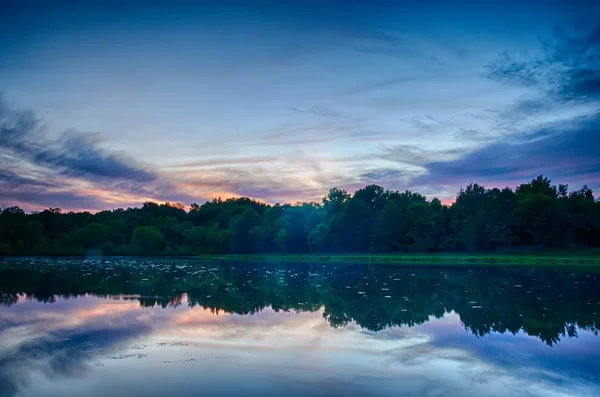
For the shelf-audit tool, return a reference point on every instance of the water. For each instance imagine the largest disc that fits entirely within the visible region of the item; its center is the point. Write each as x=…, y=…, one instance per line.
x=156, y=327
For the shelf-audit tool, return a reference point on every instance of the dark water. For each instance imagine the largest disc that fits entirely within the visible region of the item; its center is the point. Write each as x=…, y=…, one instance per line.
x=157, y=327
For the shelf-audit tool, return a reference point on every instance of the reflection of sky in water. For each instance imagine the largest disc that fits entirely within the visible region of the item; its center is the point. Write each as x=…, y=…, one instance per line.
x=95, y=347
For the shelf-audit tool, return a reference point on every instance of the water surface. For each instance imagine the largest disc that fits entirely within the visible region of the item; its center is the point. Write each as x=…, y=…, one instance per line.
x=155, y=327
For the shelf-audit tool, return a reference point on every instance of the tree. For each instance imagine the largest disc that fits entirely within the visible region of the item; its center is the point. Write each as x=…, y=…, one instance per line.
x=500, y=220
x=92, y=235
x=241, y=242
x=420, y=227
x=261, y=239
x=537, y=215
x=281, y=240
x=117, y=232
x=195, y=236
x=67, y=243
x=353, y=227
x=298, y=221
x=168, y=227
x=218, y=241
x=374, y=196
x=34, y=233
x=147, y=240
x=469, y=217
x=334, y=201
x=389, y=229
x=320, y=239
x=540, y=217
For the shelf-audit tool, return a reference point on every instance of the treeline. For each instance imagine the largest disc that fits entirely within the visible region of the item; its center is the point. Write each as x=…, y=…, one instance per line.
x=549, y=304
x=536, y=215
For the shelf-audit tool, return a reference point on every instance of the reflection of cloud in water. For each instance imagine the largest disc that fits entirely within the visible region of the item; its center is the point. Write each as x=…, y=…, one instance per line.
x=57, y=341
x=569, y=361
x=193, y=350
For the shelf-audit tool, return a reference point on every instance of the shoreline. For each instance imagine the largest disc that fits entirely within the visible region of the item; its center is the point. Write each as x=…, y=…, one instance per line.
x=420, y=259
x=456, y=259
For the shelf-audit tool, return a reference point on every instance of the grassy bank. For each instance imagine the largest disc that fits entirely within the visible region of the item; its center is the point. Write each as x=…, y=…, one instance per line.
x=577, y=258
x=589, y=259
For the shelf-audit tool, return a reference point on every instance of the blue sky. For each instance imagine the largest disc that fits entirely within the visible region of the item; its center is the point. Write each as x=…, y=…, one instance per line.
x=109, y=104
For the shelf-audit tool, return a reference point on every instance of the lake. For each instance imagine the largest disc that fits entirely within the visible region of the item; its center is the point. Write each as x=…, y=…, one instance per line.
x=155, y=327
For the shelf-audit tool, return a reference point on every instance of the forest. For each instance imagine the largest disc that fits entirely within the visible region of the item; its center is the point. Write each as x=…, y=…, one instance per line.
x=535, y=216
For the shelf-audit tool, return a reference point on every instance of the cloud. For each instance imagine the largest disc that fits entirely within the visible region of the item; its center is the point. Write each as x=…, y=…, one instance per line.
x=348, y=130
x=79, y=155
x=271, y=185
x=13, y=179
x=417, y=156
x=569, y=68
x=26, y=195
x=389, y=178
x=319, y=111
x=507, y=69
x=58, y=342
x=380, y=174
x=74, y=170
x=220, y=162
x=380, y=85
x=567, y=150
x=396, y=44
x=73, y=153
x=553, y=131
x=578, y=54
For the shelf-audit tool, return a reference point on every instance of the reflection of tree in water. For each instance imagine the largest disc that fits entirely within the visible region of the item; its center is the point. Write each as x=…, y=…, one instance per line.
x=546, y=303
x=164, y=302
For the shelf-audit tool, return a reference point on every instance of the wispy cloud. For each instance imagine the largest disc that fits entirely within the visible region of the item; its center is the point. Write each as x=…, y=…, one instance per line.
x=320, y=111
x=222, y=162
x=416, y=155
x=567, y=150
x=12, y=179
x=554, y=132
x=390, y=43
x=321, y=132
x=74, y=170
x=73, y=154
x=377, y=85
x=569, y=68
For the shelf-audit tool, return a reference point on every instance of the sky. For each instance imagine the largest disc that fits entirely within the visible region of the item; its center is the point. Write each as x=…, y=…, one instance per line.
x=110, y=104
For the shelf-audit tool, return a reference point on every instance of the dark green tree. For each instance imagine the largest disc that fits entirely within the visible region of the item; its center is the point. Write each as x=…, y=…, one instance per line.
x=92, y=236
x=147, y=240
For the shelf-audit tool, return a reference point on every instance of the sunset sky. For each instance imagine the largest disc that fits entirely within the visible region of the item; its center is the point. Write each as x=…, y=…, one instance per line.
x=109, y=104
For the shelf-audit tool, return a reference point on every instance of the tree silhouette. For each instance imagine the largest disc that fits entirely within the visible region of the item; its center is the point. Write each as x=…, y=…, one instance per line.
x=535, y=216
